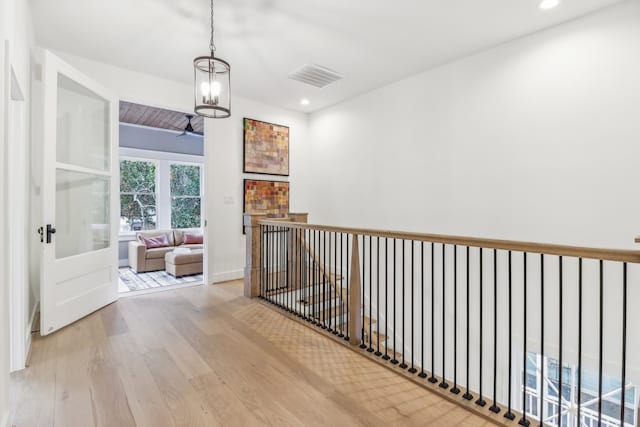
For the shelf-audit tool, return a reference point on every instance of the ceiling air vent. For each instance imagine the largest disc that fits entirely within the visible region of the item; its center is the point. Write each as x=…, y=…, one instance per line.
x=315, y=75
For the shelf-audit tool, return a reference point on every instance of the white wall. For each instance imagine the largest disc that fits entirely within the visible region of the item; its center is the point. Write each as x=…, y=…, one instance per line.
x=534, y=140
x=4, y=291
x=223, y=151
x=16, y=33
x=144, y=138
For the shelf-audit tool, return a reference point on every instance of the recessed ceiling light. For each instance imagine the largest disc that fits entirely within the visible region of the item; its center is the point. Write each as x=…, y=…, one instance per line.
x=304, y=101
x=549, y=4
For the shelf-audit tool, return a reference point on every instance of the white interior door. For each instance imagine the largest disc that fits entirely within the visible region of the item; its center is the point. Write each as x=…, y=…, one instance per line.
x=79, y=193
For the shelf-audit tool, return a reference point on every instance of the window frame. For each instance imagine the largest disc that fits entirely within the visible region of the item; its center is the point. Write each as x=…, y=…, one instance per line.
x=200, y=166
x=156, y=163
x=163, y=161
x=533, y=394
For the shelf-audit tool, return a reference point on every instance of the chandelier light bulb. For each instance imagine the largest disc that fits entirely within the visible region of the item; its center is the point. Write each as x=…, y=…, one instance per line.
x=204, y=88
x=549, y=4
x=216, y=88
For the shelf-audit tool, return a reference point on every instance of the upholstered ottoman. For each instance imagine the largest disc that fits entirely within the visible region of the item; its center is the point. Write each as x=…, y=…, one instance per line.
x=183, y=264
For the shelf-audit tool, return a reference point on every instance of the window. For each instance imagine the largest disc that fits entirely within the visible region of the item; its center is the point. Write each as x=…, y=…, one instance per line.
x=138, y=199
x=185, y=196
x=611, y=389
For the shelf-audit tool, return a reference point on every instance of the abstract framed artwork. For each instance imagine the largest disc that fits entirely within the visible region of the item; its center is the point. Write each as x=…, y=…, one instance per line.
x=267, y=197
x=266, y=148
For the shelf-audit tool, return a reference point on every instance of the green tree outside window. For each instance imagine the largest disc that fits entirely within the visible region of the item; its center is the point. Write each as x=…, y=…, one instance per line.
x=138, y=200
x=186, y=206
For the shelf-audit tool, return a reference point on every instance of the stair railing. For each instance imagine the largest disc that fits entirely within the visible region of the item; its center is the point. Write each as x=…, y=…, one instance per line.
x=520, y=332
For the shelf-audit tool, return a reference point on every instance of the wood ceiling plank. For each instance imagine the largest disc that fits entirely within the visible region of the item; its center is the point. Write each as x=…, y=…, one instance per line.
x=158, y=117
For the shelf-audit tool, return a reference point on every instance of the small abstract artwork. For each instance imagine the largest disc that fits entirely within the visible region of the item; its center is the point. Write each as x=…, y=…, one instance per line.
x=268, y=197
x=266, y=148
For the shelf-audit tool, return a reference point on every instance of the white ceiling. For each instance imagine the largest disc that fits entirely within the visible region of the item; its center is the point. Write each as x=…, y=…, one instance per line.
x=370, y=42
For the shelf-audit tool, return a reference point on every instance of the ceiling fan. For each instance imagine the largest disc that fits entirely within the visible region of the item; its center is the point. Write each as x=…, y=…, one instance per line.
x=188, y=128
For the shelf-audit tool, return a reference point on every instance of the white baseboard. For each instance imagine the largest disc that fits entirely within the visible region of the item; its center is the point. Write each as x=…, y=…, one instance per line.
x=226, y=276
x=30, y=327
x=123, y=263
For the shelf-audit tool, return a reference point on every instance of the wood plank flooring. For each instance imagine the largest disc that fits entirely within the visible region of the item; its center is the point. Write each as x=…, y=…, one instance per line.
x=206, y=356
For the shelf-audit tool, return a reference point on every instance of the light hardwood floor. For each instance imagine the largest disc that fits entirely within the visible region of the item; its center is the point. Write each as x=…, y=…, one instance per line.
x=206, y=356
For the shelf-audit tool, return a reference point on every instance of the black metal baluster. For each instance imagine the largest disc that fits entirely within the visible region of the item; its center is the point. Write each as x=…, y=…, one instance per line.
x=316, y=281
x=276, y=239
x=261, y=261
x=339, y=289
x=270, y=254
x=301, y=275
x=342, y=308
x=327, y=272
x=455, y=389
x=542, y=339
x=395, y=307
x=289, y=273
x=467, y=395
x=403, y=365
x=495, y=408
x=280, y=272
x=313, y=291
x=308, y=275
x=560, y=341
x=324, y=276
x=364, y=342
x=348, y=264
x=524, y=421
x=623, y=379
x=579, y=341
x=378, y=353
x=274, y=276
x=510, y=415
x=601, y=342
x=480, y=401
x=316, y=278
x=293, y=247
x=298, y=250
x=266, y=262
x=370, y=349
x=413, y=369
x=386, y=299
x=432, y=378
x=321, y=283
x=422, y=373
x=443, y=383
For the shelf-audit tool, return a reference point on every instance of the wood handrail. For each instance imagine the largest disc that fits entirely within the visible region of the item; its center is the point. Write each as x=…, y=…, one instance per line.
x=619, y=255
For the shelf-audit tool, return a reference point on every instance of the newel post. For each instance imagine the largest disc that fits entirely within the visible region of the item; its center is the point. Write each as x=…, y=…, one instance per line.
x=253, y=257
x=355, y=297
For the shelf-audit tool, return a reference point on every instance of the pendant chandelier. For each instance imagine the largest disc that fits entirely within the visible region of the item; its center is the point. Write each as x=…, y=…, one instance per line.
x=212, y=83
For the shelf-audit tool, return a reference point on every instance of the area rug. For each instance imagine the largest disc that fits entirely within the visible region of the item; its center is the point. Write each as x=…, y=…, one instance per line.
x=131, y=281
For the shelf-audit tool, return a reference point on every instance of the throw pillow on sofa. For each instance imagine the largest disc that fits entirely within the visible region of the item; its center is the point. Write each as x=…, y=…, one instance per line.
x=160, y=241
x=193, y=239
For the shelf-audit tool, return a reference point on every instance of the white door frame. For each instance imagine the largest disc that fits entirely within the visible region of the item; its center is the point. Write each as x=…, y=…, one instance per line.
x=205, y=263
x=4, y=300
x=17, y=197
